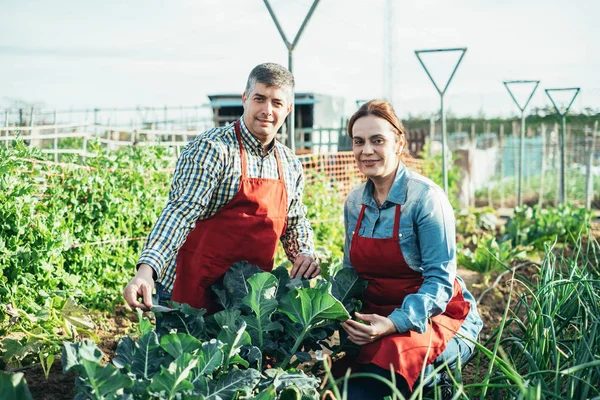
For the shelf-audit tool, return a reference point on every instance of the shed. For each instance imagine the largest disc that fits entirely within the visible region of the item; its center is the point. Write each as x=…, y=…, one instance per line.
x=319, y=119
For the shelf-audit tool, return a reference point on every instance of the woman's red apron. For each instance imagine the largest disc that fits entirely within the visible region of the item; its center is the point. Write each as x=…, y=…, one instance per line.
x=246, y=228
x=381, y=262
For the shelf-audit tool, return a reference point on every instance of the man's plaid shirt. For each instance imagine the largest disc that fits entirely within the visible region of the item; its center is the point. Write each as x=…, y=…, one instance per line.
x=207, y=177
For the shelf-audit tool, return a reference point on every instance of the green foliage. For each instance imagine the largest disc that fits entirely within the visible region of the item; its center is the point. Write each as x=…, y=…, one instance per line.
x=60, y=240
x=534, y=226
x=490, y=255
x=475, y=220
x=548, y=342
x=326, y=215
x=432, y=169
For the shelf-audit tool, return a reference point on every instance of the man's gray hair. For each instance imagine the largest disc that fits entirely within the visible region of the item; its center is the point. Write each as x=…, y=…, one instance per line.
x=270, y=74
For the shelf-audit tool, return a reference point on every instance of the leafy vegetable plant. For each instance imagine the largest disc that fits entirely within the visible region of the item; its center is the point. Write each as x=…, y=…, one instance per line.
x=269, y=325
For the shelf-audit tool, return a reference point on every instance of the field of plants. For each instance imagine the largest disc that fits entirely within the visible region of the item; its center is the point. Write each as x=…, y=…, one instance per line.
x=71, y=233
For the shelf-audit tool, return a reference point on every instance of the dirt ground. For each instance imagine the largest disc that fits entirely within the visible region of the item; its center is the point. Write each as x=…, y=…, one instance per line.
x=112, y=328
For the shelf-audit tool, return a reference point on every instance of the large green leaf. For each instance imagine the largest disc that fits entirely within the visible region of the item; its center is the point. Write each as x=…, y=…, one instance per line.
x=210, y=357
x=237, y=381
x=172, y=380
x=267, y=394
x=14, y=386
x=233, y=334
x=142, y=358
x=347, y=286
x=236, y=283
x=262, y=302
x=182, y=318
x=177, y=344
x=312, y=307
x=282, y=379
x=75, y=316
x=96, y=380
x=72, y=354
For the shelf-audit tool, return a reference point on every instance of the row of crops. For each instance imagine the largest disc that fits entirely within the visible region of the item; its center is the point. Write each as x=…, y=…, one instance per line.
x=70, y=236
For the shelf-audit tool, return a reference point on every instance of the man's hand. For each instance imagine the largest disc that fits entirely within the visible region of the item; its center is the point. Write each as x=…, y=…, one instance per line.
x=306, y=266
x=142, y=285
x=377, y=327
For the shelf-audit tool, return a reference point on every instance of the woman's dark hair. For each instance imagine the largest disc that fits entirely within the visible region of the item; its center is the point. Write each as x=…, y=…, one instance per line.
x=379, y=108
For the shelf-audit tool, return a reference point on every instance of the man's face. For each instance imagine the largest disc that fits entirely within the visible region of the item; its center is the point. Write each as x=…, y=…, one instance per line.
x=265, y=109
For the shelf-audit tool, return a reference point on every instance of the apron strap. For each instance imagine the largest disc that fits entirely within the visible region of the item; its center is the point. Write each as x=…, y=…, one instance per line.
x=359, y=220
x=238, y=134
x=395, y=234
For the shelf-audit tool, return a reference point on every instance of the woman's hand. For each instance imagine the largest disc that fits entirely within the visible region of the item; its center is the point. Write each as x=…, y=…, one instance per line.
x=377, y=327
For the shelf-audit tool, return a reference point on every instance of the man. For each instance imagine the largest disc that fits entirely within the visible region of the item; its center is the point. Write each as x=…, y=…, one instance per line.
x=236, y=191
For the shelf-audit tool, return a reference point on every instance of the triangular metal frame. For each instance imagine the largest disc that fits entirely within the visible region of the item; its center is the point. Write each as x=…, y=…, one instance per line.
x=293, y=44
x=418, y=53
x=576, y=89
x=506, y=83
x=291, y=120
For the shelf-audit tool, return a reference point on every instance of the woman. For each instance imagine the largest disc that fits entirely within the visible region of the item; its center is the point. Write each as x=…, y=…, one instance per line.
x=400, y=236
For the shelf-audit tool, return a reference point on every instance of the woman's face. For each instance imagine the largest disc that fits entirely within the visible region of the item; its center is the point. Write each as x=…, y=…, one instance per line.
x=376, y=146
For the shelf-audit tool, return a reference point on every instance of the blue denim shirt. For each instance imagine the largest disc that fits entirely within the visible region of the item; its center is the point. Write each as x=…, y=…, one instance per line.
x=427, y=240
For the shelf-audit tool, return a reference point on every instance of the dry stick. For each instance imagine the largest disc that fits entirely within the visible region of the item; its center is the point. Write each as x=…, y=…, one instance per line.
x=108, y=241
x=499, y=278
x=543, y=166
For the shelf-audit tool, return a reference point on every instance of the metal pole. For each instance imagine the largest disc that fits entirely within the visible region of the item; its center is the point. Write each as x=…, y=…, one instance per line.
x=291, y=122
x=563, y=160
x=521, y=161
x=291, y=46
x=441, y=92
x=522, y=139
x=444, y=145
x=563, y=132
x=589, y=185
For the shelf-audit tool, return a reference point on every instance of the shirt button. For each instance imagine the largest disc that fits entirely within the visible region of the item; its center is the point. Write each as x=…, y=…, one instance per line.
x=399, y=235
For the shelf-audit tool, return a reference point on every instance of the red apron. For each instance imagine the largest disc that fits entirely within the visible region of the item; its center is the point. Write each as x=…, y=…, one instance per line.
x=381, y=262
x=246, y=228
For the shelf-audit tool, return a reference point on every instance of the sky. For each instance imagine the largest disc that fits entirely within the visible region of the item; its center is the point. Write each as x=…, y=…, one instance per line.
x=77, y=54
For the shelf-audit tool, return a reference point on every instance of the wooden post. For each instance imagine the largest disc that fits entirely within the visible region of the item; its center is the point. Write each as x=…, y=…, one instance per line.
x=501, y=153
x=589, y=179
x=542, y=166
x=55, y=139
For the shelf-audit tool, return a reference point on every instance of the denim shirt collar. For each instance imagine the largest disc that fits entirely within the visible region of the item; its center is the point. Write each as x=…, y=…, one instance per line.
x=398, y=191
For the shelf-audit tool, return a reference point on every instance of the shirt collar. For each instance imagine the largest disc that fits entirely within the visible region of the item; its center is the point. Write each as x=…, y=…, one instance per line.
x=251, y=142
x=398, y=191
